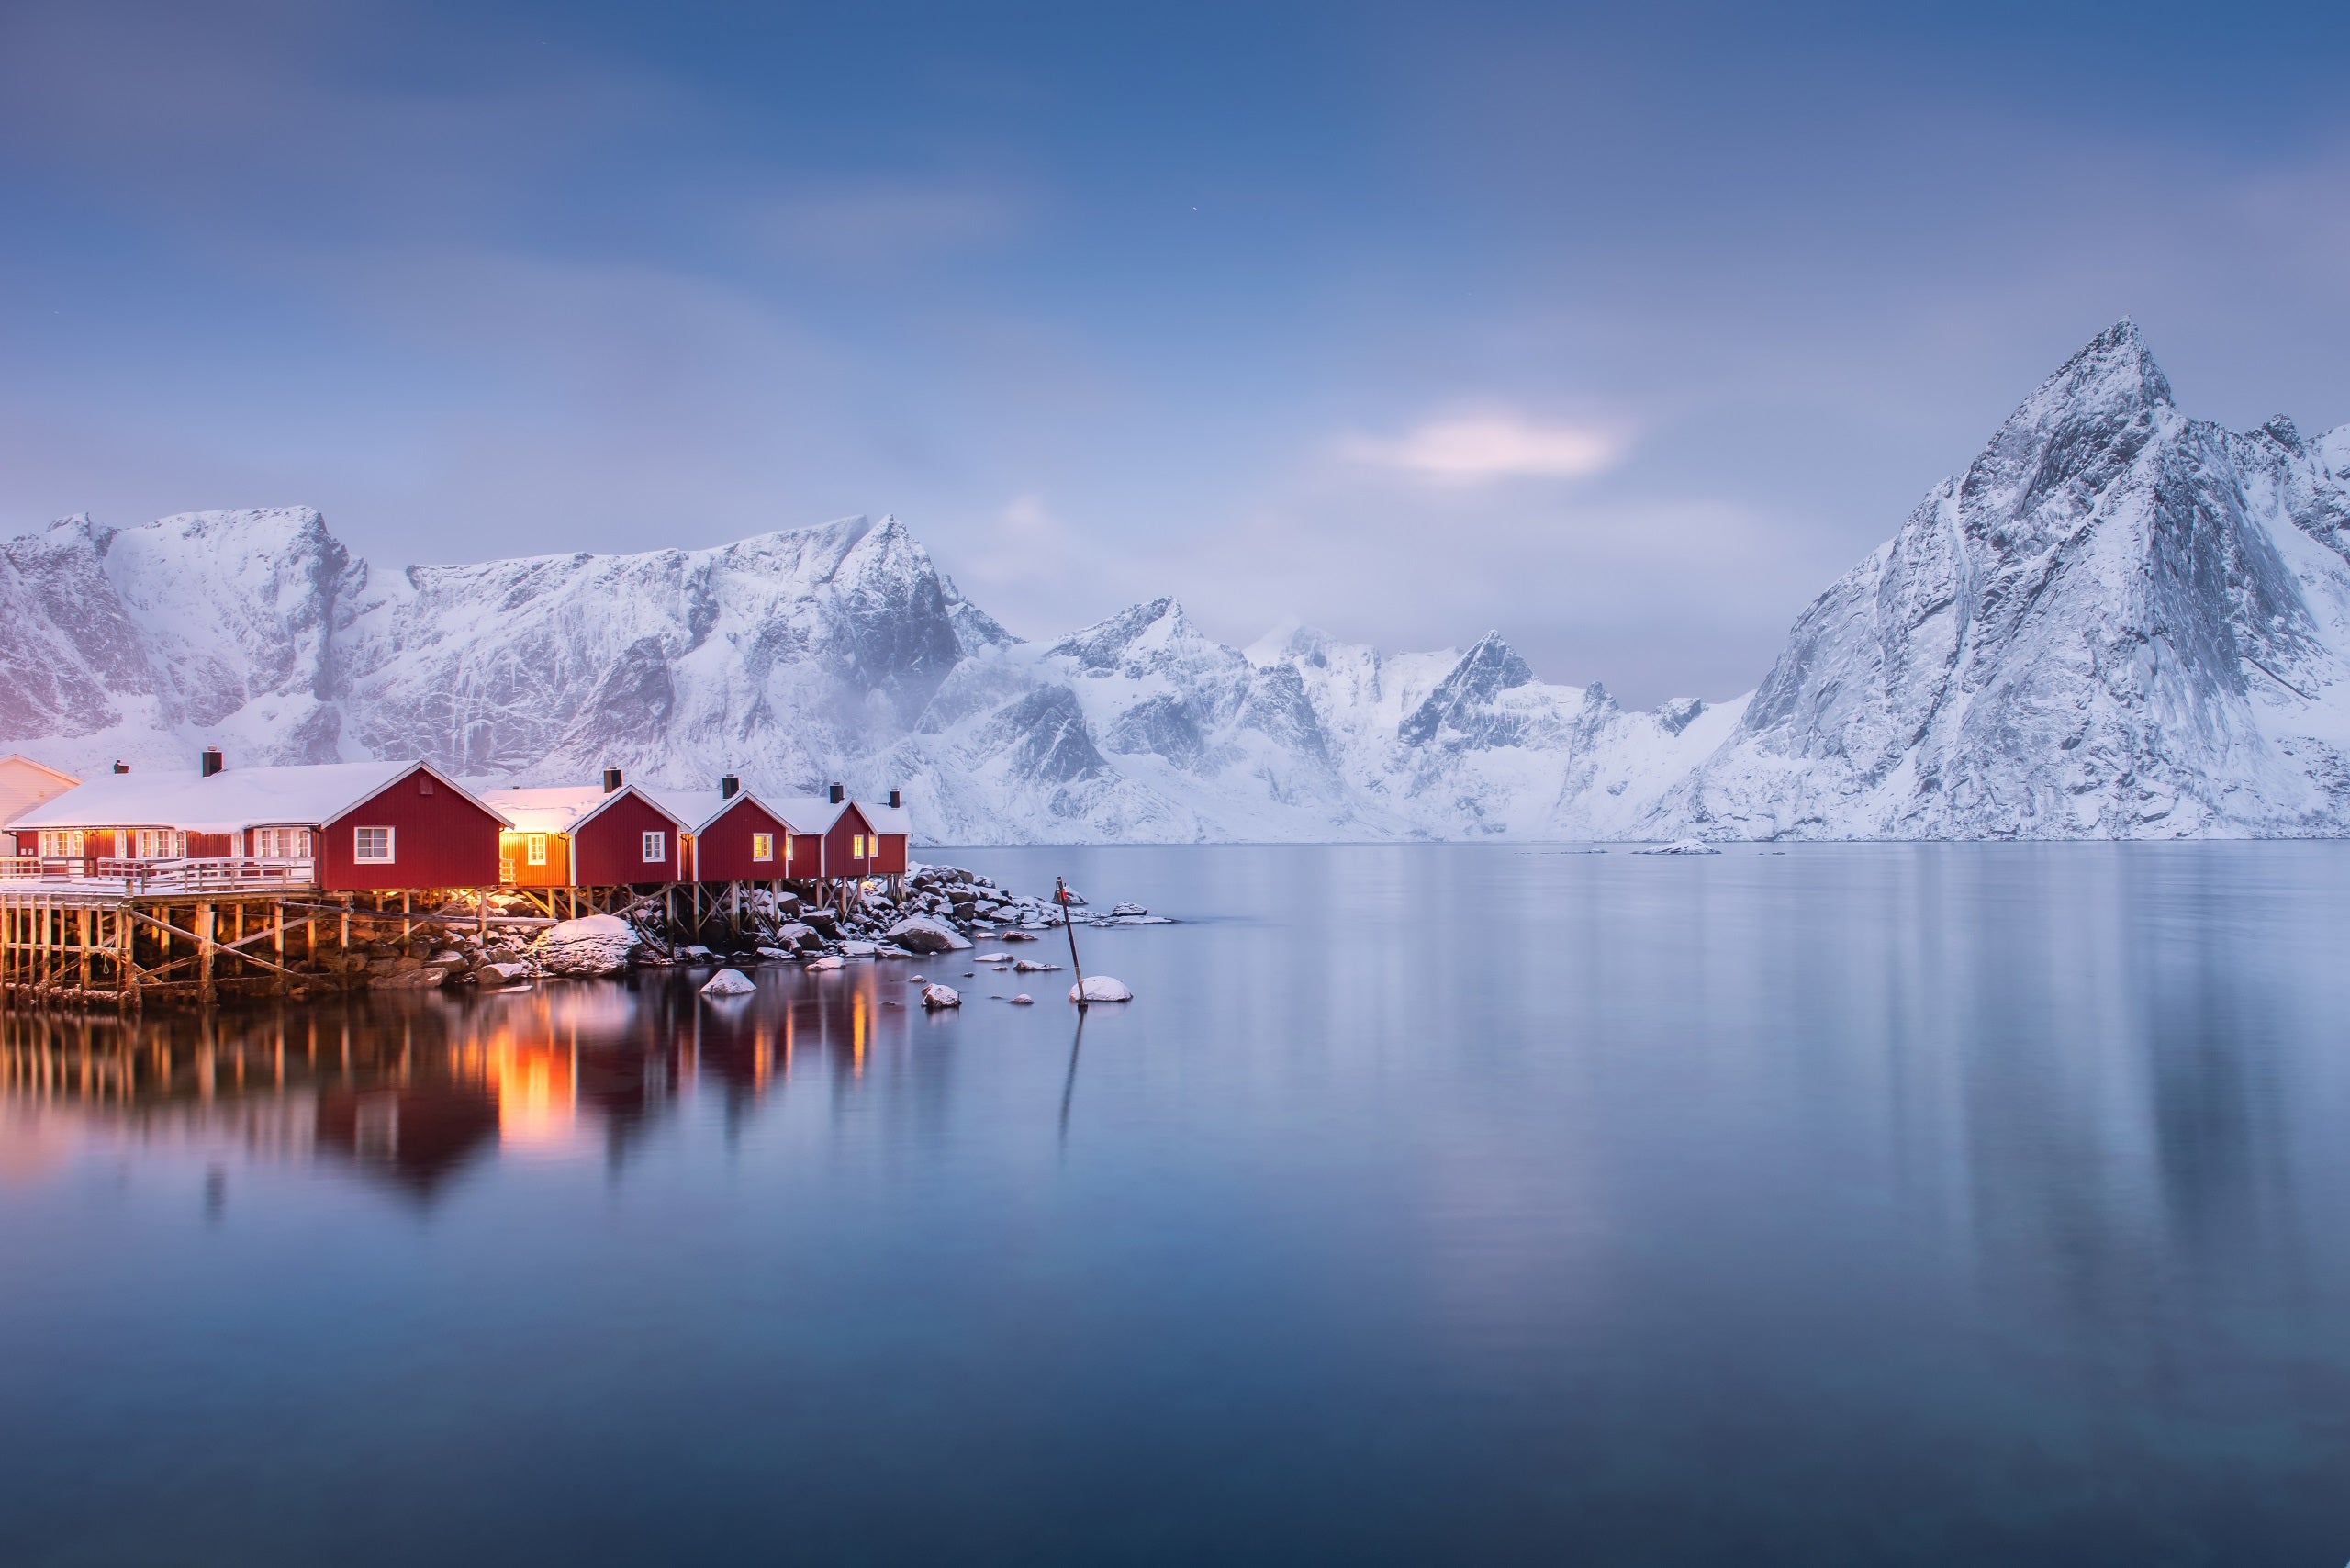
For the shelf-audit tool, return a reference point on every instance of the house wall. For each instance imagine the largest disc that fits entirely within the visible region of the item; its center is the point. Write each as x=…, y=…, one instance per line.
x=610, y=852
x=807, y=855
x=838, y=861
x=891, y=861
x=555, y=873
x=439, y=840
x=723, y=848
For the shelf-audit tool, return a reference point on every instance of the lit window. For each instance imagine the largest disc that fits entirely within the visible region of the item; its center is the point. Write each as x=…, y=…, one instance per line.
x=856, y=846
x=77, y=842
x=763, y=846
x=534, y=850
x=371, y=844
x=657, y=846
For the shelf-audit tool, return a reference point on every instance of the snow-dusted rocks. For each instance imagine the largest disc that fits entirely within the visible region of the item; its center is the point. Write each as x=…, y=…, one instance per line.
x=1031, y=967
x=936, y=996
x=729, y=982
x=1100, y=988
x=1679, y=846
x=1022, y=999
x=924, y=934
x=592, y=944
x=823, y=966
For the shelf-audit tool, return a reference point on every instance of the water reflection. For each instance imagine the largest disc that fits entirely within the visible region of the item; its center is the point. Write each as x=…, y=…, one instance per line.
x=413, y=1092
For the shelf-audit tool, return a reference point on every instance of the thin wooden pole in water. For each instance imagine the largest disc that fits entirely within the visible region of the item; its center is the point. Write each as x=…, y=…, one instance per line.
x=1061, y=897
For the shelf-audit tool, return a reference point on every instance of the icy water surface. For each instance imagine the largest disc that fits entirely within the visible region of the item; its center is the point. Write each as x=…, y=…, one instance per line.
x=1888, y=1204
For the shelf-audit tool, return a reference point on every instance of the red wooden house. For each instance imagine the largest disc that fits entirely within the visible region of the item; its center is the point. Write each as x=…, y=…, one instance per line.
x=589, y=836
x=344, y=826
x=846, y=839
x=734, y=836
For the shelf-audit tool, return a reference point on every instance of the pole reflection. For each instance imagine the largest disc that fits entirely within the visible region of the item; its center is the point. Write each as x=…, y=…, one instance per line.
x=411, y=1092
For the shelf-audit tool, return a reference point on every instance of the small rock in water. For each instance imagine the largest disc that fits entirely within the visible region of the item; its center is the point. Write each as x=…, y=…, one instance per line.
x=824, y=965
x=993, y=958
x=1018, y=937
x=941, y=996
x=1100, y=988
x=1031, y=967
x=1023, y=1000
x=1680, y=846
x=1127, y=909
x=729, y=982
x=922, y=933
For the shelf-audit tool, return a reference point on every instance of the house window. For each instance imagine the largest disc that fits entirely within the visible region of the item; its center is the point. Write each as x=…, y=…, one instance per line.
x=423, y=785
x=76, y=839
x=763, y=846
x=856, y=845
x=656, y=846
x=534, y=850
x=371, y=844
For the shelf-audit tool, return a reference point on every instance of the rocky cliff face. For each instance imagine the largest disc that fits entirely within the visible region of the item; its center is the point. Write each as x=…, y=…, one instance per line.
x=2119, y=622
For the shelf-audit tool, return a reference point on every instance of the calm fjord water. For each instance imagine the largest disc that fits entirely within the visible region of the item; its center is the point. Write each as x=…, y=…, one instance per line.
x=1885, y=1204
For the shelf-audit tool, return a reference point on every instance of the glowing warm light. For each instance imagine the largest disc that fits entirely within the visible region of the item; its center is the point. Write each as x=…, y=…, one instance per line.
x=536, y=1088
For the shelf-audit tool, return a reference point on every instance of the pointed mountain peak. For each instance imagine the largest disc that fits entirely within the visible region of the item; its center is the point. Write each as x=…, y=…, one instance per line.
x=1100, y=646
x=1491, y=666
x=2112, y=368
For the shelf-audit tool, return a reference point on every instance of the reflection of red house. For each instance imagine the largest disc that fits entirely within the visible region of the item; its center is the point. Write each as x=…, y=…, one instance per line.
x=418, y=1136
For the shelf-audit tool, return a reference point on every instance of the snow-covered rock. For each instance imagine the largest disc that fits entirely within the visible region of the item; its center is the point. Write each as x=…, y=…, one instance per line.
x=923, y=934
x=501, y=973
x=729, y=982
x=1022, y=999
x=1100, y=988
x=825, y=965
x=1031, y=967
x=934, y=996
x=592, y=944
x=1679, y=846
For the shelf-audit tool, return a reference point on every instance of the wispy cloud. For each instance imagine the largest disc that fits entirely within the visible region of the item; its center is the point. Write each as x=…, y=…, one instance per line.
x=1478, y=448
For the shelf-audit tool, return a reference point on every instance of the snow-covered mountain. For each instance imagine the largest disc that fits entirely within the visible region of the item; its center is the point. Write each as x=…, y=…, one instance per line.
x=2118, y=622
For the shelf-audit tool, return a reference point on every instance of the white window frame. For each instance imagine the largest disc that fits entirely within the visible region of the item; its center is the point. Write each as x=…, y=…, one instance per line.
x=534, y=850
x=358, y=851
x=655, y=844
x=763, y=846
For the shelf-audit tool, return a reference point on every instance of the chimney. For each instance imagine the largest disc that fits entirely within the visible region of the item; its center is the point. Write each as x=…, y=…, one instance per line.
x=612, y=779
x=840, y=793
x=894, y=800
x=122, y=767
x=729, y=787
x=211, y=761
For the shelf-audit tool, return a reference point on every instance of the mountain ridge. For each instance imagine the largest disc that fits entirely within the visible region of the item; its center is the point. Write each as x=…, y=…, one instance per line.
x=2117, y=622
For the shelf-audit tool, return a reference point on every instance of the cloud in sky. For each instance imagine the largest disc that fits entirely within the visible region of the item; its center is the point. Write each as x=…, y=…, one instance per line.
x=510, y=276
x=1474, y=449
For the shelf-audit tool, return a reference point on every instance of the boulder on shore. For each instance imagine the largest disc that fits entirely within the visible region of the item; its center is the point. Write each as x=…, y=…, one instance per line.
x=922, y=933
x=592, y=944
x=1100, y=988
x=729, y=982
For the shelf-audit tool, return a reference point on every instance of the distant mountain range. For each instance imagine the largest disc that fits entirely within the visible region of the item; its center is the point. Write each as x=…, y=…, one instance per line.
x=2118, y=622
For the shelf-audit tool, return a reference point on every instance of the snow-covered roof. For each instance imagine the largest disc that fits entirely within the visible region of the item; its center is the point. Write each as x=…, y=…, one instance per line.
x=25, y=783
x=699, y=808
x=567, y=808
x=307, y=795
x=805, y=813
x=888, y=818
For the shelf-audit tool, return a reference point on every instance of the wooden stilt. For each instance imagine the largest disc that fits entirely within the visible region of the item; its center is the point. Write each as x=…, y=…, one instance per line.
x=204, y=985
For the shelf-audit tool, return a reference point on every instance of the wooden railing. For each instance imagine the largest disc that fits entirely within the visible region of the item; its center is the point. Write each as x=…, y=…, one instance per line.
x=209, y=874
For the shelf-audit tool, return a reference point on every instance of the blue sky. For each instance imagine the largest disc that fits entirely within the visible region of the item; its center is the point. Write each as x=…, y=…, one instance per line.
x=1622, y=330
